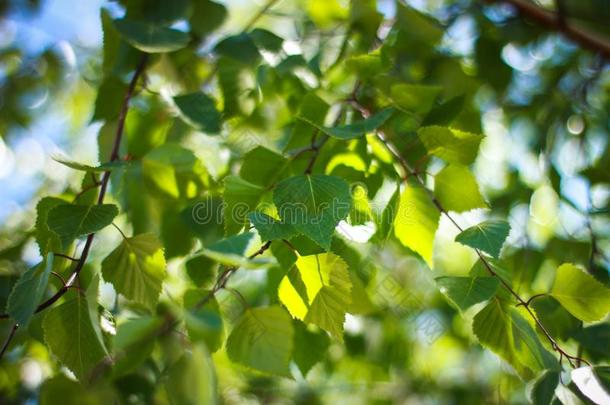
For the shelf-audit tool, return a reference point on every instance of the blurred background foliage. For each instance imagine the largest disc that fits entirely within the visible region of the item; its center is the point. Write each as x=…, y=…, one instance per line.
x=542, y=101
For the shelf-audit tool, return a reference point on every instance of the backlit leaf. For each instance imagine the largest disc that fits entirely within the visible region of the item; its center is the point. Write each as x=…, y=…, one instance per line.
x=582, y=295
x=416, y=221
x=136, y=268
x=451, y=145
x=263, y=340
x=457, y=190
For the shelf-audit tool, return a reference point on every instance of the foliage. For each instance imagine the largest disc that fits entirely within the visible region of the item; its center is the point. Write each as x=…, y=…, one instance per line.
x=273, y=200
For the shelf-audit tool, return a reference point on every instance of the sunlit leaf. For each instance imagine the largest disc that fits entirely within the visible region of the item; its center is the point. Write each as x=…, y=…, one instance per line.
x=582, y=295
x=457, y=190
x=416, y=221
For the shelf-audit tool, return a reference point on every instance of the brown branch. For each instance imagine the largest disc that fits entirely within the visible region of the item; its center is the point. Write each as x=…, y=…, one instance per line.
x=100, y=200
x=557, y=22
x=7, y=342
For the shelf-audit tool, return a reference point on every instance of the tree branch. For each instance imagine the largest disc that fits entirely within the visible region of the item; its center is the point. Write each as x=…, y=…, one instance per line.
x=558, y=22
x=402, y=162
x=114, y=155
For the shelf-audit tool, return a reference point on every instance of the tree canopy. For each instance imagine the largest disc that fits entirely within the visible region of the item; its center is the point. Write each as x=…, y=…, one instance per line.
x=305, y=201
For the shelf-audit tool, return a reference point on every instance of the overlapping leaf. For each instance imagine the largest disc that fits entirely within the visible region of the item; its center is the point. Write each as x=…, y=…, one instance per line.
x=136, y=268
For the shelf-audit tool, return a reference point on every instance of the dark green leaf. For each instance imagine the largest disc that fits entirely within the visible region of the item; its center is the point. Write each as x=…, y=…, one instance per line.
x=71, y=221
x=488, y=236
x=467, y=291
x=29, y=291
x=199, y=111
x=151, y=38
x=269, y=228
x=355, y=129
x=313, y=204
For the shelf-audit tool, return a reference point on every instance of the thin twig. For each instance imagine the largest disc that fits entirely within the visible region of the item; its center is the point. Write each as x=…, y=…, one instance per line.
x=119, y=229
x=7, y=342
x=74, y=259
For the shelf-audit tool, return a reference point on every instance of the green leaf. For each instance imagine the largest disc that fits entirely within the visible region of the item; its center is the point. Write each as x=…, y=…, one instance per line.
x=133, y=343
x=29, y=291
x=312, y=110
x=173, y=170
x=356, y=129
x=61, y=390
x=199, y=110
x=451, y=145
x=543, y=389
x=556, y=320
x=263, y=339
x=309, y=347
x=263, y=167
x=414, y=98
x=457, y=190
x=206, y=17
x=192, y=379
x=360, y=212
x=444, y=113
x=241, y=198
x=106, y=107
x=71, y=221
x=464, y=292
x=239, y=47
x=594, y=339
x=47, y=239
x=70, y=335
x=201, y=270
x=165, y=12
x=285, y=256
x=269, y=228
x=603, y=376
x=503, y=330
x=318, y=291
x=104, y=167
x=232, y=251
x=488, y=236
x=203, y=323
x=136, y=269
x=582, y=295
x=151, y=38
x=416, y=221
x=266, y=40
x=313, y=204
